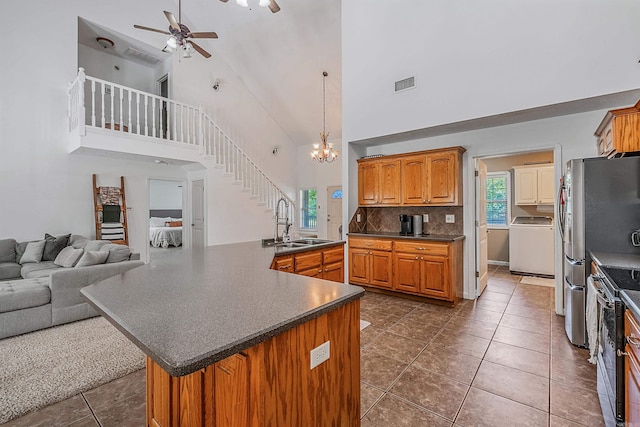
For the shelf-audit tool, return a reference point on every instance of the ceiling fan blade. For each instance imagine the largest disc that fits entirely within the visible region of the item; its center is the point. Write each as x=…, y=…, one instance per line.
x=172, y=20
x=140, y=27
x=203, y=35
x=200, y=50
x=224, y=1
x=274, y=6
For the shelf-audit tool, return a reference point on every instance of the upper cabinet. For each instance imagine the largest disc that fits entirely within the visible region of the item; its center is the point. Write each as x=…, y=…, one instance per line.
x=534, y=185
x=426, y=178
x=619, y=132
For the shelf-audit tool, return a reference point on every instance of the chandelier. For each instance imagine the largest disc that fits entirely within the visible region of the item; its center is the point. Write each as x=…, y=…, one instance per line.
x=324, y=152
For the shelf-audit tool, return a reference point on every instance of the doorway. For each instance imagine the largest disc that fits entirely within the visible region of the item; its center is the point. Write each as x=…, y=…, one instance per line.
x=496, y=206
x=163, y=91
x=166, y=213
x=197, y=214
x=334, y=212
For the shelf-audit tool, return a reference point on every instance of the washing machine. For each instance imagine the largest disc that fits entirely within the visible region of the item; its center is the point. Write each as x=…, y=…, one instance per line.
x=531, y=248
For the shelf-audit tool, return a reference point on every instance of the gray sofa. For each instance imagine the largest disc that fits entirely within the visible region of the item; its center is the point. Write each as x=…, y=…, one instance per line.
x=38, y=295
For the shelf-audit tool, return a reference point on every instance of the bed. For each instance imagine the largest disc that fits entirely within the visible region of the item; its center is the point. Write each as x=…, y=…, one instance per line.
x=165, y=228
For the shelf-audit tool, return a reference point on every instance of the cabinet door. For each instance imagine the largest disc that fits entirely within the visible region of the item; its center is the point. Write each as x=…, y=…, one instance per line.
x=334, y=272
x=380, y=275
x=406, y=275
x=414, y=180
x=307, y=260
x=283, y=264
x=526, y=182
x=632, y=392
x=435, y=277
x=368, y=176
x=441, y=178
x=546, y=190
x=232, y=391
x=359, y=266
x=389, y=184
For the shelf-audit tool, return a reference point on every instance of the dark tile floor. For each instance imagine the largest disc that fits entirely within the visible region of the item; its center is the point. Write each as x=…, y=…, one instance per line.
x=501, y=361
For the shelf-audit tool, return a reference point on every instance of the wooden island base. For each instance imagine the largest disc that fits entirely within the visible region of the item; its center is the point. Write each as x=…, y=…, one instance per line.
x=271, y=383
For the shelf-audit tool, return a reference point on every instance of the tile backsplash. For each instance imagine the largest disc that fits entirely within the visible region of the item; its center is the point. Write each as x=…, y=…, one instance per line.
x=386, y=219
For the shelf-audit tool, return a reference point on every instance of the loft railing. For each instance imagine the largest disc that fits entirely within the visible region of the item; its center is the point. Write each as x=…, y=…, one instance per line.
x=97, y=103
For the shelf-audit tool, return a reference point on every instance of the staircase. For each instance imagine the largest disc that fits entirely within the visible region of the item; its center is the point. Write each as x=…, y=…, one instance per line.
x=105, y=108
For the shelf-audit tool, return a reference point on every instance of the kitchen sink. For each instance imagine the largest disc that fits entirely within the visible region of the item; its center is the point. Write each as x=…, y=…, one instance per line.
x=295, y=244
x=311, y=241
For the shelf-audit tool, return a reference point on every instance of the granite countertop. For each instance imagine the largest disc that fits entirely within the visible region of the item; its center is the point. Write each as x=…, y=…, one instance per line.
x=609, y=259
x=201, y=306
x=632, y=300
x=283, y=250
x=433, y=237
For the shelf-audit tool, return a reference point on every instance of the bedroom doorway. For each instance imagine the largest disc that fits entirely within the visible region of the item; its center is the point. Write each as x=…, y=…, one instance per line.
x=166, y=201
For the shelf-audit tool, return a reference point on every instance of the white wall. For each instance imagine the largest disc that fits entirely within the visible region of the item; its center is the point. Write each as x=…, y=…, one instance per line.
x=477, y=59
x=320, y=176
x=165, y=194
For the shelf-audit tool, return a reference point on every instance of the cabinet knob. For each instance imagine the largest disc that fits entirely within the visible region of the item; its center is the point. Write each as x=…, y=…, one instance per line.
x=416, y=257
x=422, y=258
x=420, y=249
x=282, y=267
x=326, y=269
x=320, y=271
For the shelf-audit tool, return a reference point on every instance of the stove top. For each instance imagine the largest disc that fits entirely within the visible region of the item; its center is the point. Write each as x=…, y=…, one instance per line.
x=623, y=278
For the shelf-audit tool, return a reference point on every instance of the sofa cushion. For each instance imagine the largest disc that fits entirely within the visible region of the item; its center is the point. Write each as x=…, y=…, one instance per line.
x=9, y=270
x=20, y=294
x=33, y=252
x=95, y=245
x=117, y=253
x=68, y=257
x=53, y=246
x=7, y=250
x=92, y=258
x=78, y=241
x=27, y=269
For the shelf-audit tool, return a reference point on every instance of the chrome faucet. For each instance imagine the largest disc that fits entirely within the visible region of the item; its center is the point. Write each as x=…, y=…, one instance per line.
x=285, y=222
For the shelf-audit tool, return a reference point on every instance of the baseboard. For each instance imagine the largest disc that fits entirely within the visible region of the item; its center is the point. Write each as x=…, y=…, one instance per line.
x=498, y=263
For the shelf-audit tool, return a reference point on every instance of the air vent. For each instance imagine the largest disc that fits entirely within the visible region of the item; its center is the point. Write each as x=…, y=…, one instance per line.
x=145, y=57
x=405, y=84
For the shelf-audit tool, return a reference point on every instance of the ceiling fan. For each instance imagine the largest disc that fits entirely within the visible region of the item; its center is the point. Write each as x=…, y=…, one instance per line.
x=181, y=35
x=273, y=6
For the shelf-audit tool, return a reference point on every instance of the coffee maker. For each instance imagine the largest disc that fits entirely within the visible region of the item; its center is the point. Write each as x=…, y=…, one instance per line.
x=406, y=225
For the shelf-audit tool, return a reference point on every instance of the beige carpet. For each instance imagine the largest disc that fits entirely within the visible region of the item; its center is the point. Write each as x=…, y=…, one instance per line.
x=538, y=281
x=45, y=367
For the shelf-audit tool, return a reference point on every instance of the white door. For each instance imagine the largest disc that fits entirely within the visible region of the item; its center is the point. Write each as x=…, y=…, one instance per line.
x=482, y=267
x=197, y=214
x=334, y=212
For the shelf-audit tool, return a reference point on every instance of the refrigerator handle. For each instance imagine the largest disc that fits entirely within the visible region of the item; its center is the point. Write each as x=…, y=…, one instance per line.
x=560, y=210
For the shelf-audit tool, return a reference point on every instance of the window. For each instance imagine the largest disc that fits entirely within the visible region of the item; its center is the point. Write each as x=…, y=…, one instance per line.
x=498, y=203
x=308, y=204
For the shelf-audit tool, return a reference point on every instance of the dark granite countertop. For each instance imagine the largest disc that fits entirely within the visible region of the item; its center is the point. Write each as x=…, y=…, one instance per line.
x=609, y=259
x=632, y=300
x=434, y=237
x=201, y=306
x=283, y=250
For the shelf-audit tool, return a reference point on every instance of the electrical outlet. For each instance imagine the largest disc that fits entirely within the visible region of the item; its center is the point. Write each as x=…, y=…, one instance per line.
x=320, y=354
x=358, y=217
x=425, y=217
x=450, y=219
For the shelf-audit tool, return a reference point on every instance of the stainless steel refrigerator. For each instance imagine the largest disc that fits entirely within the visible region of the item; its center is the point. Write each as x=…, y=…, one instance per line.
x=601, y=210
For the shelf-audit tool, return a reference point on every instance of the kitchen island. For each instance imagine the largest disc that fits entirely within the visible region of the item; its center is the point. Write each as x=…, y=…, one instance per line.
x=229, y=342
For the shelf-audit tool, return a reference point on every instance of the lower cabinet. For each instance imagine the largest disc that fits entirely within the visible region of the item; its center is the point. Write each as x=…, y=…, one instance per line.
x=325, y=264
x=632, y=370
x=425, y=268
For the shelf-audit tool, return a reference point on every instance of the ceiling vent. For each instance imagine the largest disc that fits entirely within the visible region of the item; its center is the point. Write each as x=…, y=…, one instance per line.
x=405, y=84
x=145, y=57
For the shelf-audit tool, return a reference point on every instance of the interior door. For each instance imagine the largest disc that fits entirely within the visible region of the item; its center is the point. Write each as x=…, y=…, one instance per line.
x=197, y=213
x=482, y=267
x=334, y=212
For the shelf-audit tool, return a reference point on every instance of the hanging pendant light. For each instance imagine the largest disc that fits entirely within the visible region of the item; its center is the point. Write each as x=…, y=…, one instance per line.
x=324, y=152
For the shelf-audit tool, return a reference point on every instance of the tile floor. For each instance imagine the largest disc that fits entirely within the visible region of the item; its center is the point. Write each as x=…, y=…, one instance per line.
x=501, y=361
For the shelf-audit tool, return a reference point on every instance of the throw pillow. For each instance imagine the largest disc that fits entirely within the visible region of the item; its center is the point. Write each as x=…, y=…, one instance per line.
x=68, y=257
x=117, y=253
x=173, y=224
x=95, y=245
x=92, y=258
x=33, y=252
x=7, y=250
x=54, y=245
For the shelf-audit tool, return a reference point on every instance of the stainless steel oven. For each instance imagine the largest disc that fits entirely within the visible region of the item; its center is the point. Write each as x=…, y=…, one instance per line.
x=610, y=364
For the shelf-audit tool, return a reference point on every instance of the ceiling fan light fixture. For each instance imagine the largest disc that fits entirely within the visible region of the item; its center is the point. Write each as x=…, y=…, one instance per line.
x=265, y=3
x=243, y=3
x=172, y=43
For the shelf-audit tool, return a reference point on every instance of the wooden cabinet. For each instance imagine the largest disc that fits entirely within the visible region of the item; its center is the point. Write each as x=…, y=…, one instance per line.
x=534, y=185
x=423, y=178
x=426, y=268
x=619, y=132
x=379, y=182
x=370, y=262
x=632, y=369
x=422, y=268
x=325, y=263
